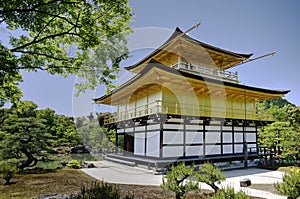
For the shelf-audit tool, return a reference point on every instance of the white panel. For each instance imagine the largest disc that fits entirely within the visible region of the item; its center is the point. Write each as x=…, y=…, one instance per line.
x=238, y=137
x=151, y=127
x=139, y=143
x=140, y=128
x=238, y=148
x=213, y=128
x=129, y=130
x=238, y=128
x=250, y=137
x=213, y=137
x=250, y=129
x=212, y=149
x=141, y=106
x=173, y=126
x=153, y=144
x=227, y=137
x=120, y=131
x=194, y=127
x=194, y=137
x=253, y=147
x=227, y=128
x=194, y=151
x=227, y=149
x=173, y=137
x=173, y=151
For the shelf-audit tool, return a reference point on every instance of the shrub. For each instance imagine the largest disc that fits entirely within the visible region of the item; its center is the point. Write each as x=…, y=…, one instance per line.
x=100, y=191
x=7, y=170
x=179, y=180
x=290, y=185
x=229, y=193
x=73, y=164
x=210, y=175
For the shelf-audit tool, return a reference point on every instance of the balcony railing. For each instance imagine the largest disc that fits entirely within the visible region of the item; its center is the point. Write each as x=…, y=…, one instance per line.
x=208, y=72
x=185, y=109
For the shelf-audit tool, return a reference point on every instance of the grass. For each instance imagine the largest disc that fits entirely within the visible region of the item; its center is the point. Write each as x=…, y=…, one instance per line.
x=29, y=185
x=69, y=181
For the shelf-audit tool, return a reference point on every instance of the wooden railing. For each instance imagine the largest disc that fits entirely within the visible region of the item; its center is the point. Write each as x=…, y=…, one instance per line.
x=209, y=72
x=164, y=107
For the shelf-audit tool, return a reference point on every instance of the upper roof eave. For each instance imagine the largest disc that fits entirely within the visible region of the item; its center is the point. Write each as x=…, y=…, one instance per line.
x=179, y=33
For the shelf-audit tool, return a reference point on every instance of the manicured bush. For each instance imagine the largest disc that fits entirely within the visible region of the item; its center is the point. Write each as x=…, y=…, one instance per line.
x=210, y=175
x=100, y=191
x=229, y=193
x=179, y=180
x=290, y=185
x=7, y=170
x=73, y=164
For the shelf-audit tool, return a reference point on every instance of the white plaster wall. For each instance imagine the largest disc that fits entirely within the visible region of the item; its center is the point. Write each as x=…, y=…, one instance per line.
x=227, y=137
x=238, y=148
x=250, y=137
x=140, y=128
x=194, y=127
x=194, y=150
x=173, y=126
x=173, y=137
x=212, y=149
x=153, y=127
x=194, y=137
x=139, y=143
x=213, y=137
x=153, y=144
x=238, y=137
x=173, y=151
x=227, y=149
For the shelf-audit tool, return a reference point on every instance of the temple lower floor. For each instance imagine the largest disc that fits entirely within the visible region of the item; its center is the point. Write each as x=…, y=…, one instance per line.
x=163, y=139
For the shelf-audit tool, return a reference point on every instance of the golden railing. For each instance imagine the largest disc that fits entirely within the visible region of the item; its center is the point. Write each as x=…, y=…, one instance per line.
x=209, y=72
x=174, y=108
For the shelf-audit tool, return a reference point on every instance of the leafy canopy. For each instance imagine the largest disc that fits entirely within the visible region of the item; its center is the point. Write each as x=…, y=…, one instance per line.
x=62, y=37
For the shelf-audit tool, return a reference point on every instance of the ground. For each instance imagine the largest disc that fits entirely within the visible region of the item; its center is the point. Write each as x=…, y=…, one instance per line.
x=70, y=181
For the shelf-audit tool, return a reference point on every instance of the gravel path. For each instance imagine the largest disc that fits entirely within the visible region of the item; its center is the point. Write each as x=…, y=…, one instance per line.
x=121, y=174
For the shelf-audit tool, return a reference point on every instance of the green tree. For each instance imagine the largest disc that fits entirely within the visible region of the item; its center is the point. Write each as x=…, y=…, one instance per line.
x=83, y=38
x=179, y=180
x=290, y=185
x=24, y=136
x=283, y=134
x=93, y=136
x=210, y=175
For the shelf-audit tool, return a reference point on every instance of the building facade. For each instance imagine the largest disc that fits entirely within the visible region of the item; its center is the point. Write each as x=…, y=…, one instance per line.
x=184, y=104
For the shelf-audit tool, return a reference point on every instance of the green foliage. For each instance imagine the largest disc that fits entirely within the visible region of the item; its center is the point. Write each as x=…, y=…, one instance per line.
x=229, y=193
x=73, y=164
x=29, y=135
x=179, y=180
x=7, y=170
x=284, y=134
x=210, y=175
x=290, y=185
x=100, y=191
x=94, y=136
x=82, y=38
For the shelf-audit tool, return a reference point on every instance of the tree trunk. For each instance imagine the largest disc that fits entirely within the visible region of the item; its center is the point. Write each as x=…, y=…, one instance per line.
x=215, y=187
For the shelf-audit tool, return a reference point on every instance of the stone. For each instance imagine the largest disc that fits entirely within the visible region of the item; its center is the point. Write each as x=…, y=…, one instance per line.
x=53, y=196
x=246, y=182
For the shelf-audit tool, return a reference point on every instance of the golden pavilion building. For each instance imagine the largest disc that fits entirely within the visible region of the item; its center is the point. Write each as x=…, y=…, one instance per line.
x=184, y=105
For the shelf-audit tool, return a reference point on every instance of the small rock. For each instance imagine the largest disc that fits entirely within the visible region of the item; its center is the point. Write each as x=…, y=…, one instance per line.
x=53, y=196
x=246, y=182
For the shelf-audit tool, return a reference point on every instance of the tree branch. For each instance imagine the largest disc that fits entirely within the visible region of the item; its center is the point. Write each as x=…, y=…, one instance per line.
x=42, y=39
x=41, y=54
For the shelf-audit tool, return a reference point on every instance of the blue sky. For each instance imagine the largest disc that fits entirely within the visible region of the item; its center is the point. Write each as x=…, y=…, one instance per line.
x=255, y=26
